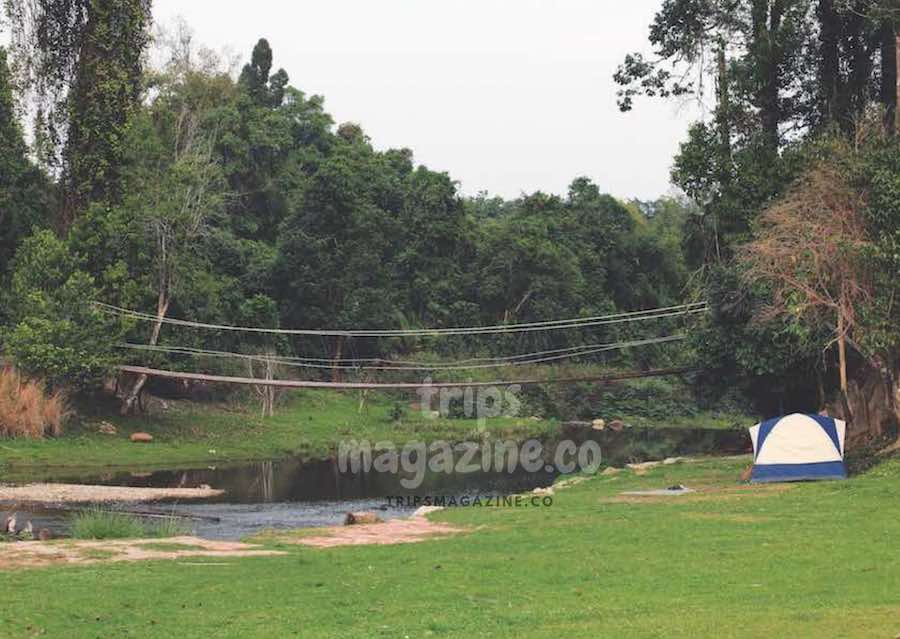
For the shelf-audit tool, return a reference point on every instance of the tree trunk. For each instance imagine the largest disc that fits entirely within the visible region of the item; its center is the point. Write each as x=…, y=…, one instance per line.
x=723, y=108
x=766, y=17
x=889, y=64
x=873, y=398
x=338, y=350
x=842, y=352
x=829, y=61
x=861, y=54
x=131, y=399
x=896, y=80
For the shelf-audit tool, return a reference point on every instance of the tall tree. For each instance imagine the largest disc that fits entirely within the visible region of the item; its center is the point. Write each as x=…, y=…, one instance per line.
x=264, y=89
x=181, y=194
x=24, y=191
x=81, y=59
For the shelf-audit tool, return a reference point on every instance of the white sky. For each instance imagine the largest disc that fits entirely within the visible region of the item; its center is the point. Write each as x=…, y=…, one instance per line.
x=505, y=95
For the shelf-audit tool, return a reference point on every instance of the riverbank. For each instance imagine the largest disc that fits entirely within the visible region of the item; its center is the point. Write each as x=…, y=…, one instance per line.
x=729, y=560
x=81, y=494
x=308, y=425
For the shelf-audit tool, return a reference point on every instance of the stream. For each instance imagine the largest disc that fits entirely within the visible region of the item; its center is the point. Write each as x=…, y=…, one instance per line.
x=291, y=493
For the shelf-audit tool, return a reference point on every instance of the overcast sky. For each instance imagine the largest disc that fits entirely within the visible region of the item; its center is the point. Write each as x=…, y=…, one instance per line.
x=505, y=95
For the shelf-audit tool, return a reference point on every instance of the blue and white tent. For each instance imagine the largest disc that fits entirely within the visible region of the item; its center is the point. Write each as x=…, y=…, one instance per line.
x=798, y=447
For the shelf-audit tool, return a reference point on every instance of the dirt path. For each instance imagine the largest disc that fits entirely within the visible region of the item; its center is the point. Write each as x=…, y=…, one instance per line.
x=394, y=531
x=36, y=554
x=84, y=493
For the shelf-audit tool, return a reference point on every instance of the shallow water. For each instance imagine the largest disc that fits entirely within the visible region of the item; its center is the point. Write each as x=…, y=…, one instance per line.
x=294, y=494
x=291, y=493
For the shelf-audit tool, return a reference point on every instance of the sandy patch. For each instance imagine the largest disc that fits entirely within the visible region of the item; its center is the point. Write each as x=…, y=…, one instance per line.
x=36, y=554
x=394, y=531
x=84, y=493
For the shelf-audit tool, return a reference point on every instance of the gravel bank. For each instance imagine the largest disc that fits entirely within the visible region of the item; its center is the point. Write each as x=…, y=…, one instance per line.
x=85, y=493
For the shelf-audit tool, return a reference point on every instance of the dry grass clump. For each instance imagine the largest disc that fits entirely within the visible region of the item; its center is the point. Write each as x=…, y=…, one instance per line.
x=27, y=409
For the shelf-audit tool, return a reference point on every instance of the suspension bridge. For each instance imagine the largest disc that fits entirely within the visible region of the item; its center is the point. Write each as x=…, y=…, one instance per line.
x=381, y=365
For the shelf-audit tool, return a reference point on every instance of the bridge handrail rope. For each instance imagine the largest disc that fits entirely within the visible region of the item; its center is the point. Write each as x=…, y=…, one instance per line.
x=513, y=360
x=616, y=318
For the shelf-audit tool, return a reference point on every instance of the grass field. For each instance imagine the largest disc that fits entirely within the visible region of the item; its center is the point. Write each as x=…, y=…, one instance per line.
x=309, y=425
x=807, y=560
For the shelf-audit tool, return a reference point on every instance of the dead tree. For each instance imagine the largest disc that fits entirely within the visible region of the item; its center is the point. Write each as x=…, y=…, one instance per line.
x=810, y=248
x=267, y=393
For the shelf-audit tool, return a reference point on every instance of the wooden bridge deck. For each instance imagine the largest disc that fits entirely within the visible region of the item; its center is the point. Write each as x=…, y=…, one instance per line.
x=290, y=383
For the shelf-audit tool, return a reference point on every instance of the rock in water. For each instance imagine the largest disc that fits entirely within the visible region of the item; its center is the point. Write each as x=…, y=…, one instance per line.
x=366, y=517
x=142, y=438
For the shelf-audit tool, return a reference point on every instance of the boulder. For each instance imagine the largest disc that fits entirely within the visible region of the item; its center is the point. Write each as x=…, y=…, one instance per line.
x=598, y=424
x=141, y=438
x=364, y=517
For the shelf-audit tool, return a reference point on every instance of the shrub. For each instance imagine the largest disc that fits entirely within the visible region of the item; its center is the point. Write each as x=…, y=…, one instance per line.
x=55, y=333
x=27, y=409
x=99, y=523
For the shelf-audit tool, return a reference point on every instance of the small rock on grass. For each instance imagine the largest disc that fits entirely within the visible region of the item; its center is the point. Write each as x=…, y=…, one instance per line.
x=643, y=466
x=142, y=438
x=107, y=429
x=364, y=517
x=611, y=470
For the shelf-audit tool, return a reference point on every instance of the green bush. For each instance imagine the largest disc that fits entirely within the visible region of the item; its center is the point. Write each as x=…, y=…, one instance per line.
x=100, y=523
x=55, y=333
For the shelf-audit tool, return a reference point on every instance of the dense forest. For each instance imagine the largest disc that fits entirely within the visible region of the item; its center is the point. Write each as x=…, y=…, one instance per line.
x=186, y=189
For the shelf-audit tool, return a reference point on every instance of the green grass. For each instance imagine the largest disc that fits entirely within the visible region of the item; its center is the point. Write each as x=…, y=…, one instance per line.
x=101, y=523
x=809, y=560
x=309, y=424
